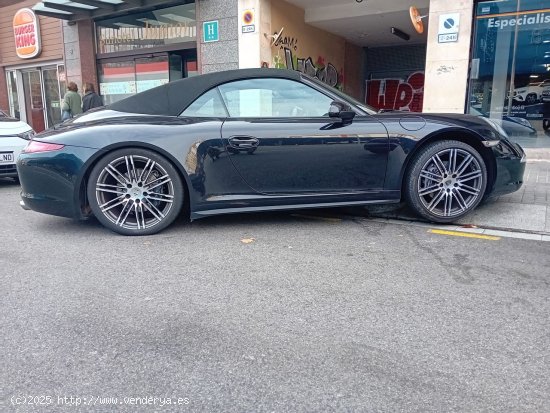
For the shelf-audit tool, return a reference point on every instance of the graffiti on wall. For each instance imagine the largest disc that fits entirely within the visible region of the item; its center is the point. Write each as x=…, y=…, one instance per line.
x=397, y=94
x=285, y=42
x=288, y=47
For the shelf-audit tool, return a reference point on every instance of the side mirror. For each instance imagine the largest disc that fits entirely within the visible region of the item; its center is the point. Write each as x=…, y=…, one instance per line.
x=341, y=111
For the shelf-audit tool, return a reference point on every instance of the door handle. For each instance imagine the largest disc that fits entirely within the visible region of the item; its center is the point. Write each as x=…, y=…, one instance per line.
x=243, y=142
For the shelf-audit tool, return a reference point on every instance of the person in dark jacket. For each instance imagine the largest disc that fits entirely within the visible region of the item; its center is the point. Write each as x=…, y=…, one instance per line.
x=90, y=99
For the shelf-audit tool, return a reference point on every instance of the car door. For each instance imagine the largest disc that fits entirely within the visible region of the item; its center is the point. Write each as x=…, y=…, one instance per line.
x=282, y=141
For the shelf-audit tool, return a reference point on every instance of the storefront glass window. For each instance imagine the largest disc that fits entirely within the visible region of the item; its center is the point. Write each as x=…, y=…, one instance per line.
x=12, y=94
x=147, y=29
x=52, y=95
x=118, y=80
x=510, y=74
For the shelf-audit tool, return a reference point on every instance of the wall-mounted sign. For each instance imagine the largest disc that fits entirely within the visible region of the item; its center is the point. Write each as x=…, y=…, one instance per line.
x=448, y=28
x=210, y=31
x=248, y=24
x=26, y=31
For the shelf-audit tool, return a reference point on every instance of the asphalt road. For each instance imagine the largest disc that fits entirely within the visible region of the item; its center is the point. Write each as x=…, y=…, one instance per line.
x=313, y=314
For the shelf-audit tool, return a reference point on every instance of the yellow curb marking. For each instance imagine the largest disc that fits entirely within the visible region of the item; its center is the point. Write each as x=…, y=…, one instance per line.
x=464, y=234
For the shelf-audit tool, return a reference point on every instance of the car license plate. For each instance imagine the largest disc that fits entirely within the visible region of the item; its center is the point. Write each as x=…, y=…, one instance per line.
x=6, y=157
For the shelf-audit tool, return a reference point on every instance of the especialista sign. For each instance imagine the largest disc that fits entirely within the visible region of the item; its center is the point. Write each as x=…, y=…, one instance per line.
x=26, y=31
x=522, y=20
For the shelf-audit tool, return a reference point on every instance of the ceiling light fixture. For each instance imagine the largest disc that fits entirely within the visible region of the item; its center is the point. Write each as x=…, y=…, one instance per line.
x=400, y=33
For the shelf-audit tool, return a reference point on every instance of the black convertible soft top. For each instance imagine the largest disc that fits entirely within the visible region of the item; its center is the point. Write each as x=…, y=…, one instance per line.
x=172, y=98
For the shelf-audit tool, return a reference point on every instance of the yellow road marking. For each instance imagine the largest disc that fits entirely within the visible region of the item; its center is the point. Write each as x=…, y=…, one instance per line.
x=464, y=234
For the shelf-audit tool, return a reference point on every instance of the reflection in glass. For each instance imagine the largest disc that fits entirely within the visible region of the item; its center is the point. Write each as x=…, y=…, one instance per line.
x=510, y=73
x=273, y=98
x=147, y=29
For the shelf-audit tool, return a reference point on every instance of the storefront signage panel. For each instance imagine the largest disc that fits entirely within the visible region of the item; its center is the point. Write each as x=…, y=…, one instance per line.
x=145, y=30
x=26, y=31
x=210, y=32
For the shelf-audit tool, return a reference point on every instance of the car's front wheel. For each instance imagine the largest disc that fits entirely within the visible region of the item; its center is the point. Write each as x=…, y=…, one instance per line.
x=445, y=181
x=135, y=192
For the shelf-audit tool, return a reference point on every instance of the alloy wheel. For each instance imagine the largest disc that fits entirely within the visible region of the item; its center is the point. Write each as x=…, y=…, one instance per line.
x=450, y=183
x=134, y=192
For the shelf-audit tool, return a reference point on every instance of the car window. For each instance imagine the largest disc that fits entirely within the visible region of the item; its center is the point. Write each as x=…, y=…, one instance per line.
x=273, y=98
x=207, y=105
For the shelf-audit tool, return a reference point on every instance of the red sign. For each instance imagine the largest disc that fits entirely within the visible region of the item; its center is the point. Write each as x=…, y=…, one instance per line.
x=26, y=31
x=396, y=94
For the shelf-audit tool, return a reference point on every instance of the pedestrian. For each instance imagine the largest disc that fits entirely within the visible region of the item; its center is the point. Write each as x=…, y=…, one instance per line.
x=72, y=102
x=91, y=99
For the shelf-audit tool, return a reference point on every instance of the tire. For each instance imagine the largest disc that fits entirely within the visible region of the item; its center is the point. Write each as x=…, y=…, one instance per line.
x=531, y=99
x=135, y=191
x=440, y=192
x=546, y=124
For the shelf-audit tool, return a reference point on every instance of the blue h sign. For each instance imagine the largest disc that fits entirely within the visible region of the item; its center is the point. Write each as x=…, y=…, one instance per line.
x=210, y=32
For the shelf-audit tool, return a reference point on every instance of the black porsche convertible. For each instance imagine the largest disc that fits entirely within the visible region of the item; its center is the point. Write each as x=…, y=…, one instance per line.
x=257, y=140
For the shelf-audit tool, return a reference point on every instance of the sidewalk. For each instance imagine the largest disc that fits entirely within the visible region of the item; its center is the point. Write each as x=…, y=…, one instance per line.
x=527, y=210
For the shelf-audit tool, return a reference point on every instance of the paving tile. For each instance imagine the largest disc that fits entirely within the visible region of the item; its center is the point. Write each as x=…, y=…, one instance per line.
x=509, y=234
x=509, y=216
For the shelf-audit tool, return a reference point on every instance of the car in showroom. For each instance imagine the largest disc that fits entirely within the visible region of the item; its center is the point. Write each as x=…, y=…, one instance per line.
x=260, y=140
x=532, y=93
x=14, y=136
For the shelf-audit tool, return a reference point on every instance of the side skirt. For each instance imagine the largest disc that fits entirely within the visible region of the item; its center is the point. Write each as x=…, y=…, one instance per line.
x=266, y=208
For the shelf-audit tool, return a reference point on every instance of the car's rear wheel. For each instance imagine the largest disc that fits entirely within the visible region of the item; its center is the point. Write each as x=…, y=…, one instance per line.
x=445, y=181
x=134, y=191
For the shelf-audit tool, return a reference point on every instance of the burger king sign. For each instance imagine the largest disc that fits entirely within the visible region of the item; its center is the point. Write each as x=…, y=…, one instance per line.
x=27, y=34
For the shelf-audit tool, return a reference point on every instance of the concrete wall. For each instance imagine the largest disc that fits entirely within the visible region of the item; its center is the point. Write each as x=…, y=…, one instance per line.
x=447, y=64
x=354, y=74
x=224, y=54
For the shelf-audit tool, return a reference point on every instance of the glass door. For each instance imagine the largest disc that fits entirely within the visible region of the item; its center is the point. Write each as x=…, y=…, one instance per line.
x=34, y=104
x=52, y=95
x=13, y=97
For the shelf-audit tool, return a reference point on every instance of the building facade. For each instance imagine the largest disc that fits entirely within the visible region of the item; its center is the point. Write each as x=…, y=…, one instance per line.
x=484, y=57
x=32, y=72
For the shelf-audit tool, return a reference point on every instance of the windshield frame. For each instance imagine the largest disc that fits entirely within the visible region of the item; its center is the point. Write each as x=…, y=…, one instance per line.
x=363, y=107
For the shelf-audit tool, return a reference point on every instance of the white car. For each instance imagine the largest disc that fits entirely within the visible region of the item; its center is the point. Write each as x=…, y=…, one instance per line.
x=532, y=93
x=14, y=136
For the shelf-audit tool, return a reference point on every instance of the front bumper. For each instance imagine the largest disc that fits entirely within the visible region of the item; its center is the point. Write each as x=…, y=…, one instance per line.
x=8, y=171
x=51, y=181
x=13, y=145
x=510, y=168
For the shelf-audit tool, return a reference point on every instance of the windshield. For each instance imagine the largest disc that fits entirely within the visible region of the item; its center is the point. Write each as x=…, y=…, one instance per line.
x=365, y=108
